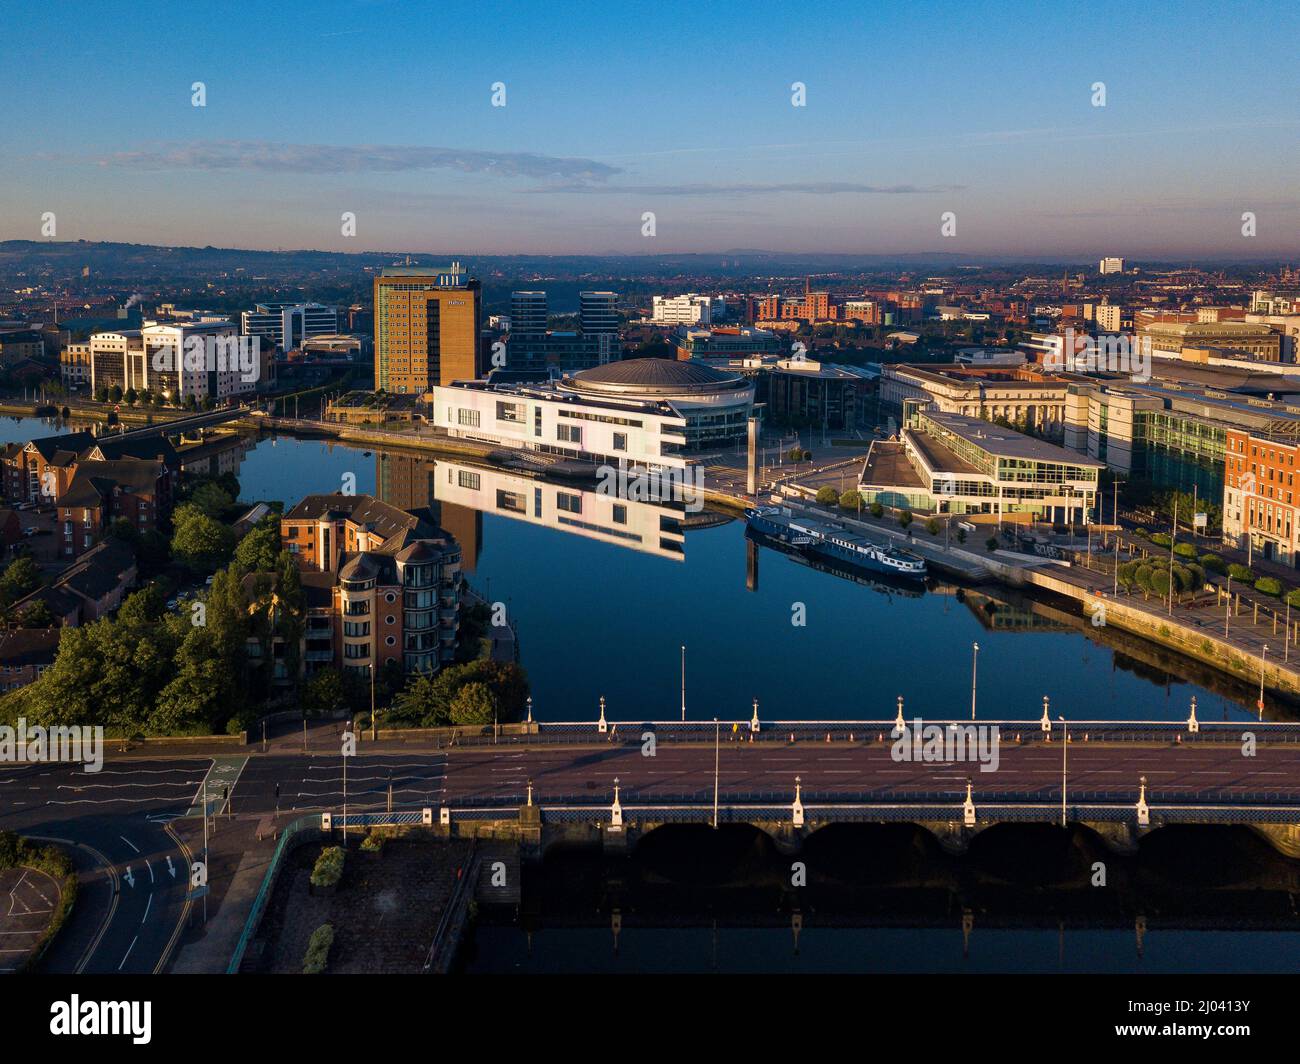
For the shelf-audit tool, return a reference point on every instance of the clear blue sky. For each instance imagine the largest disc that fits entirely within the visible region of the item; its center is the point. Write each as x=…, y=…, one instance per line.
x=383, y=108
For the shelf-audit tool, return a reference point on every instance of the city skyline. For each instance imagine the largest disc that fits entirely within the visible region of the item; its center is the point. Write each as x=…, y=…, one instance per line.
x=985, y=111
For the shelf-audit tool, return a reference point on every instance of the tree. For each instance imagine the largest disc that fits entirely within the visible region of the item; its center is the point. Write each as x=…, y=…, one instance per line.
x=932, y=526
x=474, y=704
x=905, y=518
x=827, y=496
x=38, y=615
x=115, y=394
x=131, y=397
x=199, y=542
x=19, y=579
x=259, y=551
x=851, y=500
x=877, y=509
x=210, y=498
x=325, y=692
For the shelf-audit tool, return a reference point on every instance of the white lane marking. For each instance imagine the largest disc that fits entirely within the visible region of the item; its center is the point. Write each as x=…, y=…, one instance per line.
x=147, y=905
x=128, y=951
x=149, y=866
x=129, y=843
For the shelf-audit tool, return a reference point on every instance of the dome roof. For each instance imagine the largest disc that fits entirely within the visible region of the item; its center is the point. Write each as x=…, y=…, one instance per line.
x=655, y=375
x=361, y=567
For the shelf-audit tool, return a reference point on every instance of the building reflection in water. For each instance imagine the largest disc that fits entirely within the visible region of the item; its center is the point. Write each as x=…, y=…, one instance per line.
x=460, y=492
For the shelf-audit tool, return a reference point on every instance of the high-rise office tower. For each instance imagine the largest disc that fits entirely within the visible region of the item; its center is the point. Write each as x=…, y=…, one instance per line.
x=596, y=312
x=427, y=324
x=528, y=313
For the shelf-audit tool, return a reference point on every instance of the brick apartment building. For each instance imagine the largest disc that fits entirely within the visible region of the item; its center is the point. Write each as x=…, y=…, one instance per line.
x=381, y=584
x=1260, y=496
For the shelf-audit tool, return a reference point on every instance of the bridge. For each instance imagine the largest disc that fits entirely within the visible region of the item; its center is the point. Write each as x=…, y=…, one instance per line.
x=611, y=783
x=182, y=425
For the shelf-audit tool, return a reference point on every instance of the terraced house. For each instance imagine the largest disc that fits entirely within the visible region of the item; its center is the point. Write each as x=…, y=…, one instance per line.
x=380, y=584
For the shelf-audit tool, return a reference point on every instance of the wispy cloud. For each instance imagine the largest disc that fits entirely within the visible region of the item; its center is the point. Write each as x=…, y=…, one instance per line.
x=810, y=188
x=280, y=158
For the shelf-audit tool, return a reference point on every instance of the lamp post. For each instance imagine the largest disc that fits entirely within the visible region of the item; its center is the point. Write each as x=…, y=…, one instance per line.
x=1263, y=657
x=1065, y=753
x=717, y=751
x=1115, y=517
x=974, y=666
x=683, y=681
x=347, y=732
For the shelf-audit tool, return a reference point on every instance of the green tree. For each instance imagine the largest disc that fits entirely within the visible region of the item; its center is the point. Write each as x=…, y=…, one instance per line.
x=474, y=703
x=259, y=551
x=211, y=499
x=851, y=500
x=20, y=578
x=827, y=496
x=198, y=541
x=38, y=615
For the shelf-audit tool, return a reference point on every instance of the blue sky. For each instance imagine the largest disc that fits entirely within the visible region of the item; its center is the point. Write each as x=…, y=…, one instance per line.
x=383, y=108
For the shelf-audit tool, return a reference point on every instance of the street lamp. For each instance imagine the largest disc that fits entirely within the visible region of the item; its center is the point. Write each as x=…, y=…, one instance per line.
x=717, y=751
x=1263, y=656
x=974, y=665
x=1065, y=753
x=683, y=681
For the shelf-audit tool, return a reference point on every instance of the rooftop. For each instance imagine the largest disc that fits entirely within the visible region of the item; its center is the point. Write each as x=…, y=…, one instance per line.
x=1006, y=443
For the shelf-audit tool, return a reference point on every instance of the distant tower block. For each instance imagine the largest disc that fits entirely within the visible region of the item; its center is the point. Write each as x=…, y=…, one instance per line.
x=751, y=466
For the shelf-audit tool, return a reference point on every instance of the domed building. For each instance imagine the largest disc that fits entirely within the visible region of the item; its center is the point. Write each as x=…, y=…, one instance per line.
x=716, y=404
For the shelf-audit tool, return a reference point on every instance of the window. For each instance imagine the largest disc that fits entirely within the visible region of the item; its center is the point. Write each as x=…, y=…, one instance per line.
x=569, y=433
x=512, y=502
x=356, y=628
x=620, y=514
x=466, y=479
x=567, y=502
x=515, y=413
x=467, y=417
x=620, y=441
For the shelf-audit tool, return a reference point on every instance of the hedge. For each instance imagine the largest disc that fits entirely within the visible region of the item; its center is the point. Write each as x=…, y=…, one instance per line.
x=1267, y=585
x=1239, y=572
x=329, y=867
x=318, y=950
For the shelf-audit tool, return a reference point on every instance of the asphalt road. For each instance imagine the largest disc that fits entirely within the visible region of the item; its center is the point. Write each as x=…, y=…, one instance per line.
x=114, y=825
x=865, y=769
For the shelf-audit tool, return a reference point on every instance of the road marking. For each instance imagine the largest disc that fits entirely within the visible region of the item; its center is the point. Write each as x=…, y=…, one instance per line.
x=147, y=905
x=128, y=951
x=129, y=843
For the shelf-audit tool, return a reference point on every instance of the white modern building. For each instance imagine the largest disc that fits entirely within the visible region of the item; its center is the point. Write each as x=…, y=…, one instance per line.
x=690, y=309
x=199, y=359
x=287, y=325
x=637, y=413
x=1111, y=264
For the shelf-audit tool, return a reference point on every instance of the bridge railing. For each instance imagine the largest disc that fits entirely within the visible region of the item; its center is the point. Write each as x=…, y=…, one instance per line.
x=1018, y=731
x=633, y=798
